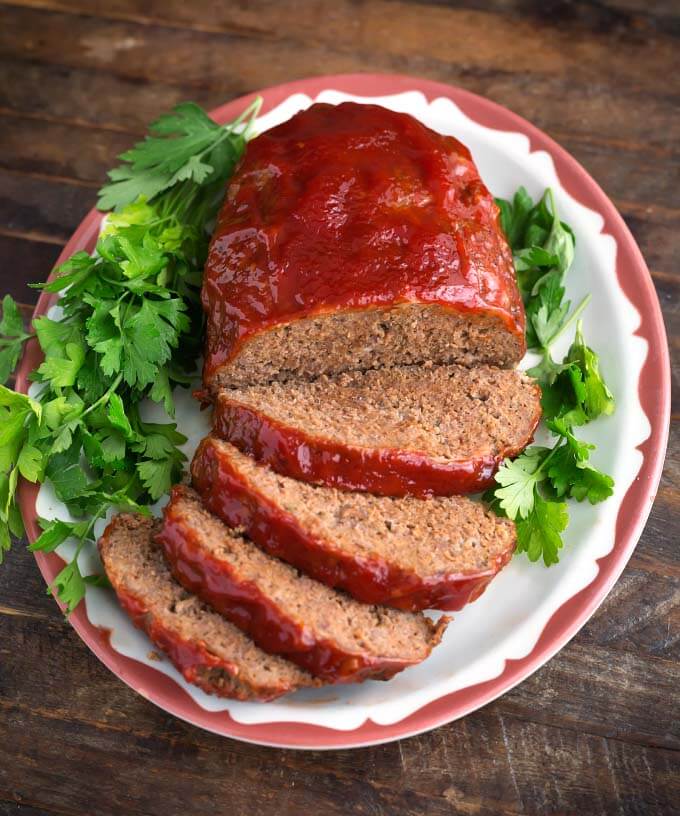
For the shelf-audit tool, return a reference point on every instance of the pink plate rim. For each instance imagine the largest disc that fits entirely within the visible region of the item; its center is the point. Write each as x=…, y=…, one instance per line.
x=654, y=392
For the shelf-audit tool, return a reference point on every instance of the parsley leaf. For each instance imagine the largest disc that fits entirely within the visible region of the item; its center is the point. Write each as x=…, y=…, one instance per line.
x=61, y=372
x=576, y=391
x=597, y=398
x=570, y=473
x=129, y=329
x=560, y=241
x=12, y=338
x=514, y=217
x=543, y=249
x=74, y=272
x=16, y=413
x=69, y=585
x=19, y=418
x=577, y=480
x=11, y=323
x=55, y=532
x=538, y=535
x=161, y=391
x=533, y=488
x=185, y=146
x=533, y=257
x=158, y=475
x=66, y=472
x=518, y=480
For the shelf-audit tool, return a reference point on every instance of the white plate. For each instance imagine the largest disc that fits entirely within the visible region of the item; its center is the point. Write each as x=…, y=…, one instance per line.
x=505, y=624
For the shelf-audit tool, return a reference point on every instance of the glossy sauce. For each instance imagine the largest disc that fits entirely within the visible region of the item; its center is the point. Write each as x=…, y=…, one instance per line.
x=191, y=658
x=257, y=615
x=352, y=207
x=383, y=471
x=371, y=580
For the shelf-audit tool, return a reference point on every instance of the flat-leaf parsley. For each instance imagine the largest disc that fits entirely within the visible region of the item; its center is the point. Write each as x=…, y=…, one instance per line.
x=533, y=488
x=128, y=329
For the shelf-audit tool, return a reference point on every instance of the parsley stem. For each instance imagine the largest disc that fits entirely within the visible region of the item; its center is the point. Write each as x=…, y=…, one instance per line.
x=249, y=113
x=557, y=446
x=99, y=512
x=574, y=316
x=18, y=338
x=229, y=129
x=105, y=396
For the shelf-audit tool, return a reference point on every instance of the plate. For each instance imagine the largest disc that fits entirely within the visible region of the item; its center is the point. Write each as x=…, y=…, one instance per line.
x=528, y=613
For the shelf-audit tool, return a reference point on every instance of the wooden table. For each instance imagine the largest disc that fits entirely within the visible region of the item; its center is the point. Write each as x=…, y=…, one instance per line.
x=597, y=729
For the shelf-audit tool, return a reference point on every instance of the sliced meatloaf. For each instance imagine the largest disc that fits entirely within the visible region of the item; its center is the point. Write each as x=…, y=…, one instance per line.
x=208, y=650
x=322, y=630
x=438, y=430
x=404, y=552
x=354, y=237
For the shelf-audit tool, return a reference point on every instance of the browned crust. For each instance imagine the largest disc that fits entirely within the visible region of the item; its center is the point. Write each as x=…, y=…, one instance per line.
x=231, y=494
x=197, y=662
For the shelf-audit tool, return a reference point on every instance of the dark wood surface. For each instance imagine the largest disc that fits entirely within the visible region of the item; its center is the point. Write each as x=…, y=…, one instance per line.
x=597, y=730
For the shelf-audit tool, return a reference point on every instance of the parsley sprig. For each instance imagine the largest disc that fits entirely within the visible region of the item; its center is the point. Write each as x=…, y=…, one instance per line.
x=533, y=489
x=543, y=249
x=12, y=338
x=127, y=330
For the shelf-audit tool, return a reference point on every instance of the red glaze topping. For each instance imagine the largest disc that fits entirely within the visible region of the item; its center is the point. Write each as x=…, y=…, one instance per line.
x=383, y=471
x=352, y=207
x=227, y=494
x=191, y=657
x=243, y=603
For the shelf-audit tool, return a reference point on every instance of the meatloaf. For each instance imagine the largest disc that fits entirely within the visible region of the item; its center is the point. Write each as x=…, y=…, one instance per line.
x=406, y=552
x=322, y=630
x=438, y=430
x=354, y=237
x=208, y=650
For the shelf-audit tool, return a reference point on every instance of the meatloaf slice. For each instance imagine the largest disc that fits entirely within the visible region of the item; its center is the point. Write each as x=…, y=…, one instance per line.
x=208, y=650
x=404, y=552
x=322, y=630
x=438, y=430
x=355, y=237
x=334, y=342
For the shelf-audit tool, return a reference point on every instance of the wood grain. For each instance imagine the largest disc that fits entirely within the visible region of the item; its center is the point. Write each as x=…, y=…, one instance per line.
x=597, y=730
x=104, y=723
x=47, y=211
x=380, y=30
x=25, y=261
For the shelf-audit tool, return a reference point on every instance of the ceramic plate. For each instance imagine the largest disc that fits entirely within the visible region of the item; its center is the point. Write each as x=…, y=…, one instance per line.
x=528, y=612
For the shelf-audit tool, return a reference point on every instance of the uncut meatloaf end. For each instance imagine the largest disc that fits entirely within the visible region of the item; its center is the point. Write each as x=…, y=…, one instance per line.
x=209, y=651
x=355, y=237
x=411, y=430
x=323, y=630
x=403, y=552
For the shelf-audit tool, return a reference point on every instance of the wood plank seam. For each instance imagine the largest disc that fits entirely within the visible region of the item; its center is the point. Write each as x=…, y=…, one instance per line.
x=394, y=60
x=184, y=25
x=23, y=613
x=10, y=797
x=622, y=145
x=10, y=113
x=36, y=237
x=49, y=177
x=566, y=726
